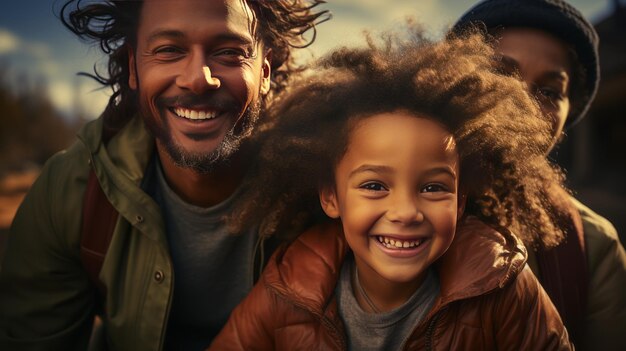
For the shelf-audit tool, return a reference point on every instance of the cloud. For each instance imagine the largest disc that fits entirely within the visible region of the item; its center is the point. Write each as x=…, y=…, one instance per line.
x=80, y=97
x=62, y=95
x=9, y=43
x=38, y=50
x=351, y=18
x=35, y=60
x=93, y=98
x=48, y=67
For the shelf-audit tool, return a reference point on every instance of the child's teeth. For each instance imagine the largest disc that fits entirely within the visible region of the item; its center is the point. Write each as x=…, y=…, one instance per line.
x=397, y=244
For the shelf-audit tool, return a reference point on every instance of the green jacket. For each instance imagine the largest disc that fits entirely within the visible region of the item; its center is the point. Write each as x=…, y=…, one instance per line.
x=46, y=299
x=605, y=320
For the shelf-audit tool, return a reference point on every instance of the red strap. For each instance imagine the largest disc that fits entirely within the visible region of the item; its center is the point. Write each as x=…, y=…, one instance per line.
x=563, y=274
x=99, y=219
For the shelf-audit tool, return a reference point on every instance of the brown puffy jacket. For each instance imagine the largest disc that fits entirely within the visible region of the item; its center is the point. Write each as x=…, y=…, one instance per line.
x=489, y=299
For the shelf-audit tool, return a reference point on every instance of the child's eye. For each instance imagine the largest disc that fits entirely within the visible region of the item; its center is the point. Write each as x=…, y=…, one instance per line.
x=434, y=188
x=373, y=186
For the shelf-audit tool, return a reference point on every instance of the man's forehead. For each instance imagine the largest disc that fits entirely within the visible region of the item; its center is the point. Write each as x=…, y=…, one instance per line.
x=520, y=47
x=237, y=14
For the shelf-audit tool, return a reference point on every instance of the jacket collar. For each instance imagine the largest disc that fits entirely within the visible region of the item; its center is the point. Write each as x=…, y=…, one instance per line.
x=307, y=270
x=120, y=165
x=129, y=150
x=479, y=260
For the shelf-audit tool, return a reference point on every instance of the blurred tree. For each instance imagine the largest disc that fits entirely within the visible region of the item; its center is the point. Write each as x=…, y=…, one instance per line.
x=31, y=130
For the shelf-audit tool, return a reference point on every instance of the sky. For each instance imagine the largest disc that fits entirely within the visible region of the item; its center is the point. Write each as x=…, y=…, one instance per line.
x=36, y=49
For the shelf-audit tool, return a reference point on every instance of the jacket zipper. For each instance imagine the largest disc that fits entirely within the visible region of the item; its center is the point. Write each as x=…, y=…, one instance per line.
x=330, y=325
x=431, y=328
x=325, y=321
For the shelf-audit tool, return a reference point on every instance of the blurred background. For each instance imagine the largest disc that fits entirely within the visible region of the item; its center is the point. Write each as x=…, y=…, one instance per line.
x=43, y=102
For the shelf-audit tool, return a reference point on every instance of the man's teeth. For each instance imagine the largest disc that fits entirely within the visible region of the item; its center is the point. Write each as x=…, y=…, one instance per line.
x=398, y=244
x=194, y=114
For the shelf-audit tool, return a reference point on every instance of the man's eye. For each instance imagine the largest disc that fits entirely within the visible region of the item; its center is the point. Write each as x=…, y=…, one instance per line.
x=434, y=188
x=167, y=51
x=231, y=52
x=232, y=55
x=373, y=186
x=549, y=93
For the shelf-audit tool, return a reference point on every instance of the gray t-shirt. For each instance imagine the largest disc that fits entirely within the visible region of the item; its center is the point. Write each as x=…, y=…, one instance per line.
x=212, y=268
x=387, y=330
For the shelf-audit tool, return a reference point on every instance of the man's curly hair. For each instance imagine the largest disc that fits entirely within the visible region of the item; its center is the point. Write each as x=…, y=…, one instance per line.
x=500, y=133
x=113, y=24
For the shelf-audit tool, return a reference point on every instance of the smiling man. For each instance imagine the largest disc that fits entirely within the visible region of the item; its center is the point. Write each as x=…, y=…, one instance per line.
x=167, y=158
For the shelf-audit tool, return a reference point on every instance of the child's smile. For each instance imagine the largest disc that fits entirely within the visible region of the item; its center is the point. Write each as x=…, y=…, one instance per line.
x=401, y=246
x=396, y=192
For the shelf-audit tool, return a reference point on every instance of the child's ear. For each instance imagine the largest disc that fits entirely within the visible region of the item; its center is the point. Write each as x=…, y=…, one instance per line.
x=328, y=200
x=462, y=200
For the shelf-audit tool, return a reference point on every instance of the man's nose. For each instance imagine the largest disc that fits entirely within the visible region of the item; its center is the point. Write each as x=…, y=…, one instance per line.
x=197, y=76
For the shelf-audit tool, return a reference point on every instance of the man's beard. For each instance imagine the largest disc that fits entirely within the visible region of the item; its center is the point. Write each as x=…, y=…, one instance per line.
x=205, y=162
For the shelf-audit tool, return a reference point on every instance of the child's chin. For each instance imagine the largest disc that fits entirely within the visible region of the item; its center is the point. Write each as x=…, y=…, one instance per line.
x=398, y=277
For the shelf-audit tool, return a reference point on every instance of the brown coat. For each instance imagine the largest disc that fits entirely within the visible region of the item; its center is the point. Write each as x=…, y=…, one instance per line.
x=489, y=299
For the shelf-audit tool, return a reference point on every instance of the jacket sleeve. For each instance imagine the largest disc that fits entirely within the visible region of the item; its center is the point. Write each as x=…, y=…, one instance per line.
x=46, y=302
x=606, y=304
x=250, y=324
x=526, y=319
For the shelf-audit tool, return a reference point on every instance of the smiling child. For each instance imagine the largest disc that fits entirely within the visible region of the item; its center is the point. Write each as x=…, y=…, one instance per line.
x=427, y=162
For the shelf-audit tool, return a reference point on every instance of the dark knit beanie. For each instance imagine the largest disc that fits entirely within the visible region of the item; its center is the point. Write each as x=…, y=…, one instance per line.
x=558, y=18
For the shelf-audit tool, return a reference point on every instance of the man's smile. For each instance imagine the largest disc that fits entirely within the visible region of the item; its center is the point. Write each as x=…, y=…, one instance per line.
x=194, y=113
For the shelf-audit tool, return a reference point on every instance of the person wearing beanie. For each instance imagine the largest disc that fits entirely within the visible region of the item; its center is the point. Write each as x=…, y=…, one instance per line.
x=554, y=50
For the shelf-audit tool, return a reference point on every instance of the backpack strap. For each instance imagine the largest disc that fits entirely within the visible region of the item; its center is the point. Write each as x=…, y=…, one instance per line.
x=99, y=219
x=563, y=274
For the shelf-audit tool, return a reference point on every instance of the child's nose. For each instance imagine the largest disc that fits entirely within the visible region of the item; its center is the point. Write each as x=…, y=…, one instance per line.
x=405, y=210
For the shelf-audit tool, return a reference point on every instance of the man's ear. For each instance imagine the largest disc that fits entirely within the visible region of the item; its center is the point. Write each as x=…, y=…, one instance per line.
x=328, y=200
x=132, y=68
x=266, y=72
x=461, y=201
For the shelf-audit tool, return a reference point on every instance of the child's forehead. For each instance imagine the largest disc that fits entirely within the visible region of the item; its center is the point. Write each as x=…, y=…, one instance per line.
x=396, y=131
x=394, y=119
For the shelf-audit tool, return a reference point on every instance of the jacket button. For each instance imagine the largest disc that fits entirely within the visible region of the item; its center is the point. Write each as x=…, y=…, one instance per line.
x=139, y=218
x=158, y=276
